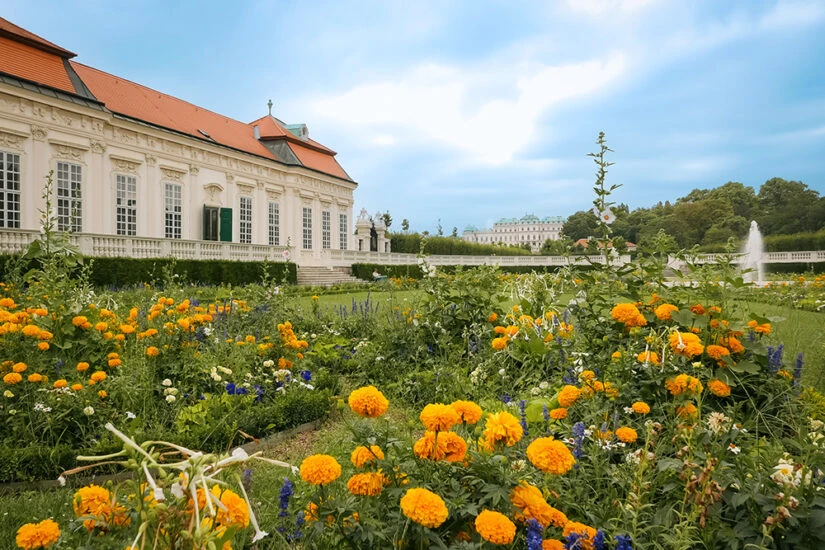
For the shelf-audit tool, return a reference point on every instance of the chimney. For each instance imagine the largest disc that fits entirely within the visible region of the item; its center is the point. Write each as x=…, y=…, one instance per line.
x=256, y=131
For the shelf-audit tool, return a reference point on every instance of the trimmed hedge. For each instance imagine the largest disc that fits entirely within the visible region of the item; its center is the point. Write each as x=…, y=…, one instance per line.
x=121, y=272
x=410, y=243
x=795, y=242
x=364, y=271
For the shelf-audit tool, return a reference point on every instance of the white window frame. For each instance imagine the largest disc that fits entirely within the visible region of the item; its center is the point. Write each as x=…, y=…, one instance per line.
x=307, y=228
x=69, y=197
x=126, y=205
x=10, y=182
x=274, y=224
x=245, y=220
x=343, y=231
x=172, y=210
x=326, y=229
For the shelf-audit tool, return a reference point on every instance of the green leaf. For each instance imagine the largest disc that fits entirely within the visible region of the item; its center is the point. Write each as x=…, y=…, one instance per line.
x=745, y=366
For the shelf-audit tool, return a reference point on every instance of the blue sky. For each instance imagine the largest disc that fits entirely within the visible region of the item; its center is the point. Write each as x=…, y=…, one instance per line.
x=471, y=111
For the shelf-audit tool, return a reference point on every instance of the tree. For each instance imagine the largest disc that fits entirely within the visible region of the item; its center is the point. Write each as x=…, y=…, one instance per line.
x=387, y=219
x=405, y=224
x=440, y=229
x=455, y=232
x=556, y=247
x=788, y=207
x=580, y=225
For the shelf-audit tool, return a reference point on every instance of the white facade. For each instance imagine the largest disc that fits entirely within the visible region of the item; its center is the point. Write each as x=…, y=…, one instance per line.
x=529, y=230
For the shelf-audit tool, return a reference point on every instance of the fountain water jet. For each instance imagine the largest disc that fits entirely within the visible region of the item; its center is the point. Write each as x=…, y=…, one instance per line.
x=753, y=253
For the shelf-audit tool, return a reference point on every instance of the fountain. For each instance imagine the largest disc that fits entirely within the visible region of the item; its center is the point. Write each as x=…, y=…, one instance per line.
x=752, y=256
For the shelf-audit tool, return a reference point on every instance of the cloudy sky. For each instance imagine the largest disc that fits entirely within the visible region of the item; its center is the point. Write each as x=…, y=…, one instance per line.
x=468, y=111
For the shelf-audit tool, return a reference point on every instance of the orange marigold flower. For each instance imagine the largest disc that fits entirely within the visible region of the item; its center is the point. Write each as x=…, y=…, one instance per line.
x=719, y=388
x=626, y=434
x=60, y=384
x=733, y=344
x=33, y=331
x=686, y=344
x=499, y=344
x=35, y=377
x=586, y=532
x=648, y=357
x=114, y=362
x=665, y=311
x=531, y=505
x=38, y=535
x=439, y=417
x=616, y=356
x=493, y=317
x=102, y=394
x=495, y=527
x=368, y=484
x=320, y=469
x=568, y=395
x=550, y=456
x=424, y=507
x=12, y=378
x=717, y=352
x=502, y=427
x=697, y=309
x=363, y=455
x=152, y=351
x=77, y=387
x=82, y=366
x=441, y=445
x=43, y=346
x=683, y=383
x=98, y=376
x=19, y=367
x=235, y=511
x=469, y=412
x=94, y=503
x=640, y=407
x=368, y=402
x=552, y=544
x=558, y=414
x=79, y=320
x=628, y=314
x=101, y=326
x=499, y=329
x=686, y=411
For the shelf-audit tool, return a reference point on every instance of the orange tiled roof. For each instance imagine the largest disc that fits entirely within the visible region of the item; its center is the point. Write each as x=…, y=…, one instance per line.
x=9, y=29
x=142, y=103
x=29, y=63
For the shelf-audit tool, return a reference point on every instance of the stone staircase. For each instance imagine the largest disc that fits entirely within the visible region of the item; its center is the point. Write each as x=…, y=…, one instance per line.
x=324, y=276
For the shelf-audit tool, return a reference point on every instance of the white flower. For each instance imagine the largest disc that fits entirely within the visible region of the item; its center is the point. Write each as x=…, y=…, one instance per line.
x=166, y=382
x=605, y=216
x=734, y=449
x=313, y=336
x=40, y=407
x=502, y=372
x=177, y=491
x=629, y=410
x=8, y=393
x=170, y=398
x=544, y=385
x=269, y=363
x=130, y=415
x=216, y=377
x=89, y=411
x=535, y=391
x=61, y=481
x=224, y=370
x=718, y=422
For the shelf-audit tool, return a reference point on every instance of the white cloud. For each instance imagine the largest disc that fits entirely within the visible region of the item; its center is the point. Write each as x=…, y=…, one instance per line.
x=383, y=140
x=600, y=7
x=448, y=105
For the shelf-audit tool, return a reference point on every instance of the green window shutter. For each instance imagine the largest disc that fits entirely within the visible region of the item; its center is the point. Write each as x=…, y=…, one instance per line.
x=226, y=225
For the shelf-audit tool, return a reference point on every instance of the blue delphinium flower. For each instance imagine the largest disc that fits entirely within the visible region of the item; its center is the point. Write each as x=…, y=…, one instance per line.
x=623, y=542
x=522, y=407
x=306, y=375
x=259, y=392
x=506, y=399
x=598, y=540
x=534, y=531
x=283, y=499
x=573, y=542
x=797, y=373
x=578, y=440
x=775, y=357
x=230, y=388
x=241, y=391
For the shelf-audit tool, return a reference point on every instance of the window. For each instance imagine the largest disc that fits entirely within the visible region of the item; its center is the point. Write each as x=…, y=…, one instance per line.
x=125, y=205
x=307, y=241
x=326, y=230
x=245, y=219
x=274, y=224
x=9, y=190
x=69, y=198
x=343, y=231
x=173, y=207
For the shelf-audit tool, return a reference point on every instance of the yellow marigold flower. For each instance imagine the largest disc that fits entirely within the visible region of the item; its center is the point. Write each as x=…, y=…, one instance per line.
x=628, y=314
x=616, y=356
x=552, y=544
x=665, y=311
x=183, y=323
x=686, y=343
x=499, y=344
x=102, y=394
x=235, y=511
x=39, y=535
x=33, y=331
x=369, y=484
x=499, y=329
x=719, y=388
x=558, y=414
x=717, y=352
x=530, y=504
x=697, y=309
x=648, y=357
x=495, y=527
x=43, y=346
x=114, y=362
x=367, y=402
x=45, y=335
x=60, y=384
x=320, y=469
x=152, y=351
x=98, y=376
x=35, y=377
x=683, y=383
x=640, y=407
x=502, y=427
x=441, y=445
x=12, y=378
x=469, y=412
x=493, y=317
x=93, y=502
x=550, y=456
x=82, y=366
x=439, y=417
x=733, y=344
x=511, y=331
x=424, y=507
x=7, y=303
x=363, y=455
x=314, y=297
x=586, y=532
x=568, y=395
x=715, y=309
x=19, y=367
x=101, y=326
x=77, y=387
x=79, y=321
x=686, y=411
x=627, y=435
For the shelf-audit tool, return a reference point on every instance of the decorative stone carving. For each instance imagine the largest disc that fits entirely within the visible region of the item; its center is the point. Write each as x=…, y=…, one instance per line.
x=169, y=174
x=98, y=147
x=151, y=161
x=125, y=136
x=194, y=170
x=11, y=141
x=230, y=178
x=125, y=166
x=68, y=153
x=213, y=190
x=363, y=216
x=39, y=133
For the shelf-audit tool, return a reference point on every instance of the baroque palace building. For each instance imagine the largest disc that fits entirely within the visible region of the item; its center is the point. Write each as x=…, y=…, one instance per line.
x=530, y=230
x=143, y=167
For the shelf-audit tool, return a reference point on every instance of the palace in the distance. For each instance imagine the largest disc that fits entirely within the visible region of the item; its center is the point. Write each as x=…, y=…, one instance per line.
x=530, y=230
